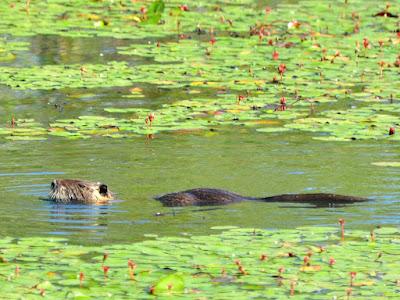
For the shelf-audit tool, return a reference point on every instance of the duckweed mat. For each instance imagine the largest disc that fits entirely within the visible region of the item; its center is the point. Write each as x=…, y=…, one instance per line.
x=303, y=263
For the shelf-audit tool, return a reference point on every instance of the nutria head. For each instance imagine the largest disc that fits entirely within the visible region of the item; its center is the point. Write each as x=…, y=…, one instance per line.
x=79, y=191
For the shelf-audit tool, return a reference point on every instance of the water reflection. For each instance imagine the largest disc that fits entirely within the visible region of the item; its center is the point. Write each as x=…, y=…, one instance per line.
x=52, y=49
x=71, y=219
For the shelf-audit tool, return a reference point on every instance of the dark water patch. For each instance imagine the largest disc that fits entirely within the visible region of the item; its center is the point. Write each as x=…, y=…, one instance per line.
x=46, y=106
x=55, y=50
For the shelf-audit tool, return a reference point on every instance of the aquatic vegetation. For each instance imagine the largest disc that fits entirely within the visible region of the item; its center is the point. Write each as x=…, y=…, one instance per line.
x=335, y=79
x=73, y=76
x=7, y=49
x=307, y=262
x=326, y=68
x=23, y=130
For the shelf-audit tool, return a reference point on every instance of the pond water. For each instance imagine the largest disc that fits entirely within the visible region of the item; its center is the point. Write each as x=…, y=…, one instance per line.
x=137, y=169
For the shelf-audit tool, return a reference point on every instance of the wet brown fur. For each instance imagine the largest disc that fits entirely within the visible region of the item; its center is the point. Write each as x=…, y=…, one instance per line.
x=206, y=196
x=79, y=191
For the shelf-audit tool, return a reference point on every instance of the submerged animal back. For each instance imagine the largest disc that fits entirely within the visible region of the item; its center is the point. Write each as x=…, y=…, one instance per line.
x=200, y=197
x=314, y=198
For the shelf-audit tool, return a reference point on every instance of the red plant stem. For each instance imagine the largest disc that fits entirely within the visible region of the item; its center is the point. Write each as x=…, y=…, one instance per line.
x=105, y=256
x=281, y=270
x=341, y=222
x=348, y=292
x=131, y=274
x=372, y=235
x=81, y=278
x=306, y=260
x=131, y=268
x=152, y=289
x=292, y=286
x=42, y=292
x=17, y=270
x=352, y=276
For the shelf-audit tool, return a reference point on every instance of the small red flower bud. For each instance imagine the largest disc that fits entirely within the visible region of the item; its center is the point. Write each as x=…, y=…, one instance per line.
x=263, y=257
x=282, y=69
x=242, y=270
x=184, y=7
x=213, y=41
x=366, y=43
x=151, y=117
x=332, y=261
x=105, y=270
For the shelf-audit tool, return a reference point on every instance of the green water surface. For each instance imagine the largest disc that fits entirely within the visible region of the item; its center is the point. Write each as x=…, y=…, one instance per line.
x=136, y=169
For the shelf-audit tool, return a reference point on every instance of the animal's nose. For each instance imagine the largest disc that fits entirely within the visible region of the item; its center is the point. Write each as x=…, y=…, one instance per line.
x=103, y=189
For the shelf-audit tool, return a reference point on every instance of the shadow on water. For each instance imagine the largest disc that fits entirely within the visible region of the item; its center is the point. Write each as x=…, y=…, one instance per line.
x=71, y=219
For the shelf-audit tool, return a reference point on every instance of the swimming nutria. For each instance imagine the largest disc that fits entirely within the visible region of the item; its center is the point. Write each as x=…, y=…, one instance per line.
x=205, y=196
x=79, y=191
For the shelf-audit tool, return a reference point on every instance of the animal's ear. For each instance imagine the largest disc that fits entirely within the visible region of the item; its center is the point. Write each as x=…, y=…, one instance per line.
x=53, y=184
x=103, y=189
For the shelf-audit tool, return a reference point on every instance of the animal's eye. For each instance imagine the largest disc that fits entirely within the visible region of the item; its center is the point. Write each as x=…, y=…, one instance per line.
x=103, y=189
